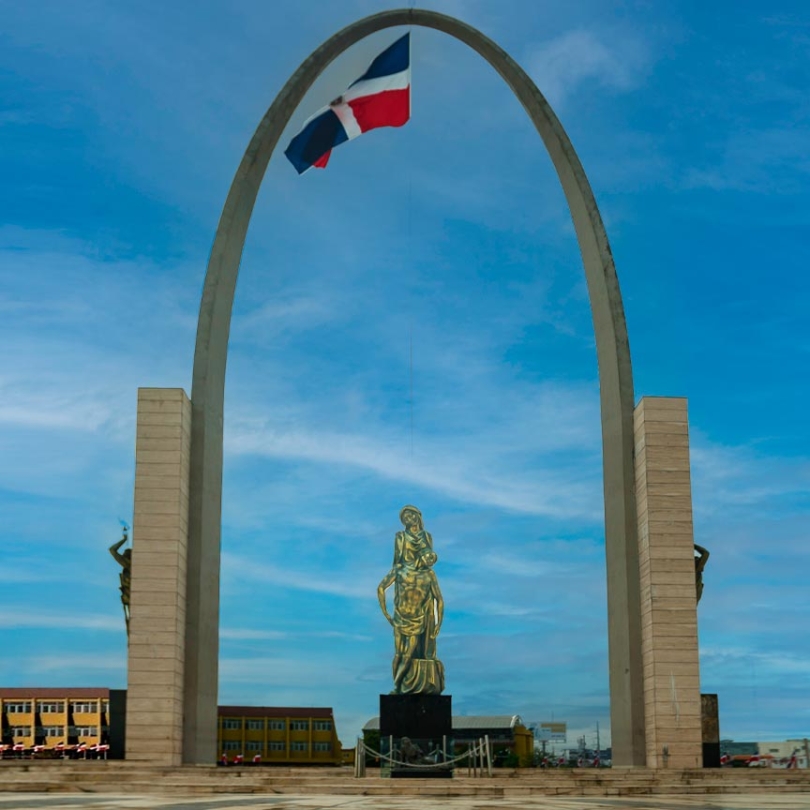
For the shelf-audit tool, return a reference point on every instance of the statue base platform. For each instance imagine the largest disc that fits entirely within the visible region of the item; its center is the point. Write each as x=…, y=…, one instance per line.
x=420, y=727
x=421, y=773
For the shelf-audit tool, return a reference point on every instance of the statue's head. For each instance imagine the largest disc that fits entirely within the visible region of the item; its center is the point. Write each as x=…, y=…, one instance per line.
x=410, y=516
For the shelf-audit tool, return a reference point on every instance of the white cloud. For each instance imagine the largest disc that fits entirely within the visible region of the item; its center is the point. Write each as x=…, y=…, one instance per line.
x=732, y=481
x=51, y=620
x=614, y=59
x=755, y=160
x=249, y=634
x=80, y=664
x=531, y=450
x=241, y=568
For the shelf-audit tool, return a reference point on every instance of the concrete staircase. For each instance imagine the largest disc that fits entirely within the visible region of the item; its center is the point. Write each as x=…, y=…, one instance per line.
x=133, y=779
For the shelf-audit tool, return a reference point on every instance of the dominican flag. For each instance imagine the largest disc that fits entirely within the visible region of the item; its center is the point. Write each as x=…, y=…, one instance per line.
x=381, y=97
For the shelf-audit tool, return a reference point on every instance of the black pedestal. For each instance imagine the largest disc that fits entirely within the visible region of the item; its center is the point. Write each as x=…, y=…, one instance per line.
x=427, y=722
x=422, y=773
x=711, y=755
x=416, y=716
x=710, y=730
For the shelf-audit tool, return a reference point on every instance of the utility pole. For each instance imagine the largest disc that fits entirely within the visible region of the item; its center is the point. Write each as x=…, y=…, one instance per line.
x=598, y=745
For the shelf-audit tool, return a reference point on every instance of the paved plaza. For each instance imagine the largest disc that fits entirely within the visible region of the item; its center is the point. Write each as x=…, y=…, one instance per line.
x=48, y=801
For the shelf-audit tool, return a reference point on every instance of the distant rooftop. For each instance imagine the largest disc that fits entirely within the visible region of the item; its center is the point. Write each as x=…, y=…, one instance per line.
x=467, y=722
x=273, y=711
x=8, y=692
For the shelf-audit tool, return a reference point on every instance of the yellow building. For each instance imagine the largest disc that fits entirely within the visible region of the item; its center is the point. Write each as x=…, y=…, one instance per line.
x=73, y=716
x=288, y=736
x=51, y=717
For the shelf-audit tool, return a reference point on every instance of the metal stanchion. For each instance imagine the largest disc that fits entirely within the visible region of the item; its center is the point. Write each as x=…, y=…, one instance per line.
x=489, y=756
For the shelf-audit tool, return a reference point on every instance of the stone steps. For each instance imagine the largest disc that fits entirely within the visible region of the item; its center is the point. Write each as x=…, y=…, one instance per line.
x=113, y=777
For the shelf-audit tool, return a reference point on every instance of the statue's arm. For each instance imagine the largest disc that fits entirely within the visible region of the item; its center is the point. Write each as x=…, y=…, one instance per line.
x=114, y=549
x=386, y=583
x=704, y=556
x=439, y=600
x=399, y=539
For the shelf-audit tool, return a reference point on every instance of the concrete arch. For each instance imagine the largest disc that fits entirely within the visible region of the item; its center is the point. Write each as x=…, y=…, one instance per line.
x=208, y=388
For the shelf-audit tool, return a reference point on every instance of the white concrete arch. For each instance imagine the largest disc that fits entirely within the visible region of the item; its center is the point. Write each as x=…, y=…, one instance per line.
x=208, y=388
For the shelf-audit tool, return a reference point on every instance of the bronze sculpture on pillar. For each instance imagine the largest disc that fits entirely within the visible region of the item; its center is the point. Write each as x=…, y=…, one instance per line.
x=125, y=561
x=418, y=609
x=701, y=558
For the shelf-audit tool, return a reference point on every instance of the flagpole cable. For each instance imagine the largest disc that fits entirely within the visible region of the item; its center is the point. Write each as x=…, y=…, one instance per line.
x=409, y=237
x=411, y=390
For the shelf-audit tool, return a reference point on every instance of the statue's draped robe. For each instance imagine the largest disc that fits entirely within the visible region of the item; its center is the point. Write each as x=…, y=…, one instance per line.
x=416, y=592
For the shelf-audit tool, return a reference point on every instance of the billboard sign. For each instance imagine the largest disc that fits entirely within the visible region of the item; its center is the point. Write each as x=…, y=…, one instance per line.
x=552, y=732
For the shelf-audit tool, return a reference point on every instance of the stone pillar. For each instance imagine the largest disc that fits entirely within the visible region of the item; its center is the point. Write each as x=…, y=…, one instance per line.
x=669, y=644
x=154, y=730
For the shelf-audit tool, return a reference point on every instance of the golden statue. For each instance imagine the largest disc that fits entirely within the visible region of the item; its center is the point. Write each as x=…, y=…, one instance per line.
x=125, y=561
x=418, y=608
x=701, y=558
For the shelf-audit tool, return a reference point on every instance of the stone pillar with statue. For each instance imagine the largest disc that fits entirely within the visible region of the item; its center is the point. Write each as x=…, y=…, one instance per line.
x=415, y=714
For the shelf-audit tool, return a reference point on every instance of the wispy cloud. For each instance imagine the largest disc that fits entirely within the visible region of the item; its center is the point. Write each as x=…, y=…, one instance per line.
x=69, y=666
x=241, y=568
x=249, y=634
x=50, y=620
x=616, y=60
x=758, y=161
x=517, y=464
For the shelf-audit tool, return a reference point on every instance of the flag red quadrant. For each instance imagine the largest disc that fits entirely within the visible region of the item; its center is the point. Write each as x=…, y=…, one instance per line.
x=381, y=97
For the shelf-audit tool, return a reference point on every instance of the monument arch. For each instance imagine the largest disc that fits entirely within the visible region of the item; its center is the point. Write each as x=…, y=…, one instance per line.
x=202, y=453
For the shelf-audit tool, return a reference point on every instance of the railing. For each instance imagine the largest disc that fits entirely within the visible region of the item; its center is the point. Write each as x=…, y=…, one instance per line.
x=478, y=758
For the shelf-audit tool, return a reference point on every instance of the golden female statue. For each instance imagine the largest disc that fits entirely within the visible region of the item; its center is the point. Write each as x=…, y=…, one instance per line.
x=418, y=608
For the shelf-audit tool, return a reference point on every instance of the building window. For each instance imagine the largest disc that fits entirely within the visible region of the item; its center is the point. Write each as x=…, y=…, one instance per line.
x=84, y=707
x=298, y=746
x=86, y=731
x=254, y=745
x=232, y=723
x=21, y=731
x=19, y=707
x=322, y=725
x=255, y=725
x=322, y=746
x=276, y=745
x=299, y=725
x=277, y=725
x=51, y=706
x=105, y=706
x=231, y=745
x=53, y=731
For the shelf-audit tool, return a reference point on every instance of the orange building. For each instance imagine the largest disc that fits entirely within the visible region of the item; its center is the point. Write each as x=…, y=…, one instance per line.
x=285, y=736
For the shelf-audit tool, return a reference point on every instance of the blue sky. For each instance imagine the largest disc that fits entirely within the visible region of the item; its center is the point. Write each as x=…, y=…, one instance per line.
x=449, y=240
